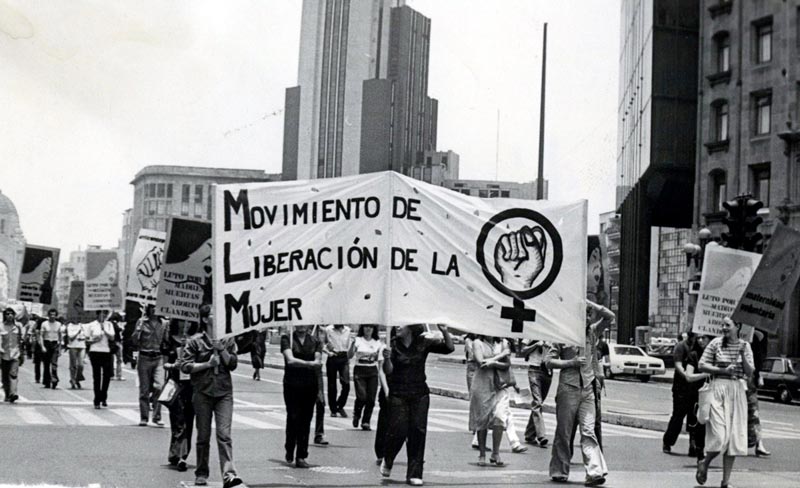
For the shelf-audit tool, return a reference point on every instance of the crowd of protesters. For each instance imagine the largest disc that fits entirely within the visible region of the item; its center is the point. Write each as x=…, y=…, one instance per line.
x=197, y=371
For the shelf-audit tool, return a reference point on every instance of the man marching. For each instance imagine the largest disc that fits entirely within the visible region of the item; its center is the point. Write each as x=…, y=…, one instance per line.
x=11, y=357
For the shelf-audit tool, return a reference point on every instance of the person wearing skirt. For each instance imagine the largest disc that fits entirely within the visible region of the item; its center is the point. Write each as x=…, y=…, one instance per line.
x=488, y=402
x=730, y=361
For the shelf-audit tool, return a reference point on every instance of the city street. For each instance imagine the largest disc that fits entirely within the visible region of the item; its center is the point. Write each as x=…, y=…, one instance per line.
x=107, y=447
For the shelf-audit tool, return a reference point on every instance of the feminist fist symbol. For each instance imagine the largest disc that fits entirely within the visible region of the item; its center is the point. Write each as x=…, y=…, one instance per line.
x=519, y=257
x=147, y=269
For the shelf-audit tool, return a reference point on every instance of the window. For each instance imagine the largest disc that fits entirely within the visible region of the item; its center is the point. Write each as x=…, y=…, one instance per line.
x=494, y=193
x=718, y=192
x=185, y=197
x=169, y=190
x=151, y=190
x=151, y=207
x=162, y=190
x=483, y=193
x=428, y=160
x=763, y=113
x=198, y=193
x=722, y=42
x=505, y=193
x=426, y=175
x=763, y=40
x=720, y=120
x=761, y=177
x=466, y=191
x=208, y=206
x=2, y=226
x=162, y=207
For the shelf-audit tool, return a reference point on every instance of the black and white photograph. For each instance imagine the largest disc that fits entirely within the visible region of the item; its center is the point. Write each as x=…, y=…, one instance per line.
x=374, y=243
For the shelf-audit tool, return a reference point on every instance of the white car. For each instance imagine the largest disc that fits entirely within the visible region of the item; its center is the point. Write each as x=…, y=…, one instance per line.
x=631, y=360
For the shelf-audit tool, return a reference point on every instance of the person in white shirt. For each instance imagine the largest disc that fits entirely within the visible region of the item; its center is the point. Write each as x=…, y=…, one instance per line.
x=50, y=343
x=368, y=350
x=101, y=332
x=339, y=340
x=76, y=345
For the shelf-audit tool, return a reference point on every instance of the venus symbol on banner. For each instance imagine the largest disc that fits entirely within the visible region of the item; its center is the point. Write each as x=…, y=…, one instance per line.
x=520, y=255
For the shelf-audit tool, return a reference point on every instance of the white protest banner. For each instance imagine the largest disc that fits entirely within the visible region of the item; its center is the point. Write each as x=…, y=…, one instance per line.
x=387, y=249
x=38, y=275
x=769, y=291
x=186, y=270
x=101, y=291
x=726, y=273
x=145, y=268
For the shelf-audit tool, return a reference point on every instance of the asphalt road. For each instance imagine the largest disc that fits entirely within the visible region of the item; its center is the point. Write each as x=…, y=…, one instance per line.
x=56, y=437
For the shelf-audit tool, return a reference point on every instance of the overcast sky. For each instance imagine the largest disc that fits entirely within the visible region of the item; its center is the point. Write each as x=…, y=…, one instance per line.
x=92, y=91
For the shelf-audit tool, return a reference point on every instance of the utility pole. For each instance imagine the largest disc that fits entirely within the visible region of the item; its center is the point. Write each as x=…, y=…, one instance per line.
x=540, y=178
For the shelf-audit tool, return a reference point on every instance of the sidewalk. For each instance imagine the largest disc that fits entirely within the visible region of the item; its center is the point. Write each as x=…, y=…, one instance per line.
x=655, y=422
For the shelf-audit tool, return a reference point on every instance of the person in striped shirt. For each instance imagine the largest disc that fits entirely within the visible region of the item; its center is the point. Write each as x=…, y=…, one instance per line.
x=730, y=361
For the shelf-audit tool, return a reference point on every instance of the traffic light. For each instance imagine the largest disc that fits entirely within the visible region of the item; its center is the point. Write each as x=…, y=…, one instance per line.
x=734, y=238
x=752, y=238
x=742, y=221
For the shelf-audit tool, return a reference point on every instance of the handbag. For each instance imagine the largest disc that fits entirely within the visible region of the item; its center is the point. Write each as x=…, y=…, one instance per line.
x=704, y=396
x=504, y=378
x=169, y=394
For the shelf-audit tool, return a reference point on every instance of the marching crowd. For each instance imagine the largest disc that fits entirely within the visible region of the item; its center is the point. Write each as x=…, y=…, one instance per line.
x=182, y=367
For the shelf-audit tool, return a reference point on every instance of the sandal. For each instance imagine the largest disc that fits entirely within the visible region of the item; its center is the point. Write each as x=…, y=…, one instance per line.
x=702, y=473
x=496, y=461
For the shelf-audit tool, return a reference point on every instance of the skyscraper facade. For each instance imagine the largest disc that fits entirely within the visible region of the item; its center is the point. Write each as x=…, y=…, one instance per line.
x=361, y=104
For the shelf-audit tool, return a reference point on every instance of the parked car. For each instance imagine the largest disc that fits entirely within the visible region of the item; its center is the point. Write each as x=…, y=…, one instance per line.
x=781, y=378
x=631, y=361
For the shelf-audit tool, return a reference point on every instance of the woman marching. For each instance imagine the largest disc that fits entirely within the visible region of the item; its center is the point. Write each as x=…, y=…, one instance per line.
x=302, y=356
x=409, y=396
x=369, y=362
x=487, y=397
x=181, y=412
x=729, y=361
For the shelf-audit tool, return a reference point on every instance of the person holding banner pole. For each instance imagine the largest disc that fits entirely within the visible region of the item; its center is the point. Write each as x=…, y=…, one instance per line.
x=302, y=354
x=729, y=360
x=210, y=362
x=409, y=396
x=148, y=337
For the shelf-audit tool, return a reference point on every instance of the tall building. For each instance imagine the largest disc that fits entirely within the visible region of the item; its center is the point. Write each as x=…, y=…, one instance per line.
x=160, y=192
x=657, y=115
x=12, y=249
x=496, y=189
x=668, y=281
x=69, y=271
x=609, y=229
x=749, y=115
x=361, y=104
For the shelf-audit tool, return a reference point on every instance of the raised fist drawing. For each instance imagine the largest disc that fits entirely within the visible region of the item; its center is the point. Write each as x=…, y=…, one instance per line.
x=147, y=271
x=519, y=257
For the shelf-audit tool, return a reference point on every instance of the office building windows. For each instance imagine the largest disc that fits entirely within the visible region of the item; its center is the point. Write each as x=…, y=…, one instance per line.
x=722, y=42
x=763, y=113
x=763, y=42
x=718, y=191
x=761, y=182
x=185, y=197
x=720, y=109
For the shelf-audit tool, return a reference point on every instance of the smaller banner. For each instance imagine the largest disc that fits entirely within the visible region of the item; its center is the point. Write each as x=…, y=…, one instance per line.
x=726, y=273
x=186, y=272
x=146, y=267
x=597, y=265
x=101, y=290
x=766, y=296
x=38, y=277
x=75, y=311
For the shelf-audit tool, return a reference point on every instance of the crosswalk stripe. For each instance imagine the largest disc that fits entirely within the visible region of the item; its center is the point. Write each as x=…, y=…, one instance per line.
x=32, y=417
x=251, y=422
x=464, y=426
x=85, y=417
x=128, y=414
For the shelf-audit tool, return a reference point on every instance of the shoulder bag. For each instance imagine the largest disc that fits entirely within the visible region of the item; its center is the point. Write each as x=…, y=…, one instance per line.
x=169, y=394
x=704, y=396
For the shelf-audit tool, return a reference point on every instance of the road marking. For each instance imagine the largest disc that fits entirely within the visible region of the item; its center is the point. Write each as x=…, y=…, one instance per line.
x=126, y=413
x=451, y=424
x=258, y=424
x=32, y=416
x=262, y=379
x=776, y=422
x=85, y=417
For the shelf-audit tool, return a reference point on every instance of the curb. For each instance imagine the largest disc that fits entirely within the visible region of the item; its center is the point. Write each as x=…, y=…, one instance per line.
x=517, y=365
x=609, y=418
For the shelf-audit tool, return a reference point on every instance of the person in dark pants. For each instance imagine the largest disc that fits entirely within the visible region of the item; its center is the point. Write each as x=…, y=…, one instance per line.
x=210, y=362
x=684, y=397
x=383, y=406
x=539, y=379
x=369, y=361
x=181, y=414
x=409, y=396
x=258, y=353
x=754, y=437
x=148, y=336
x=319, y=406
x=34, y=347
x=338, y=343
x=302, y=355
x=50, y=343
x=101, y=334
